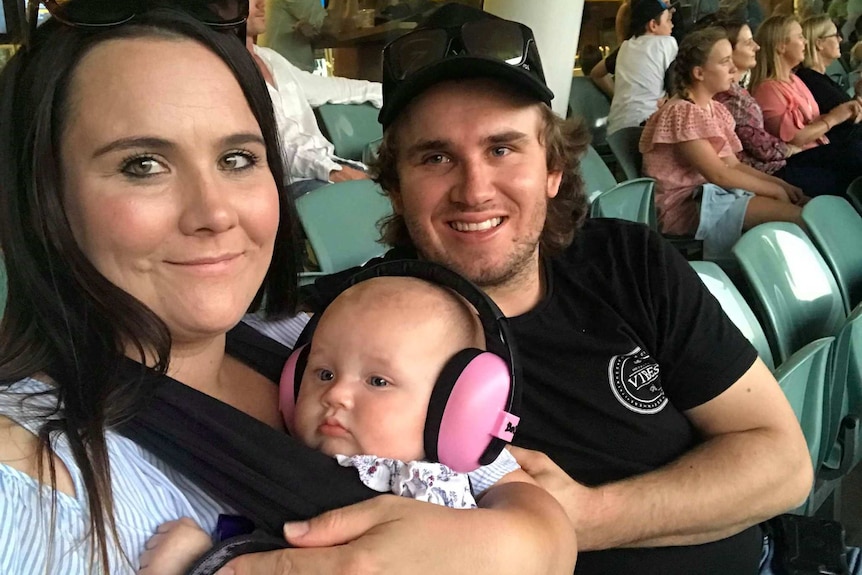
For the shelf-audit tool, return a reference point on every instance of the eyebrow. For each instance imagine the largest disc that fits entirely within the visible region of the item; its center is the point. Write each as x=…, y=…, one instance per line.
x=507, y=137
x=155, y=143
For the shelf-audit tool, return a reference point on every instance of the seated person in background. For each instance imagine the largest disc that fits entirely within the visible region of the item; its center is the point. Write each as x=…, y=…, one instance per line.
x=822, y=47
x=689, y=145
x=290, y=26
x=602, y=74
x=641, y=65
x=760, y=149
x=791, y=113
x=309, y=158
x=590, y=56
x=375, y=356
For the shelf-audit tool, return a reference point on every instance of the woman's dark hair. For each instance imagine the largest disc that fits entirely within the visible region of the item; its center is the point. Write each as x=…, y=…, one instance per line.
x=565, y=142
x=729, y=21
x=63, y=319
x=693, y=51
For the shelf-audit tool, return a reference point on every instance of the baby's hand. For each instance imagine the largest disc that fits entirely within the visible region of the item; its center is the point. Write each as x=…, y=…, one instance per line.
x=174, y=548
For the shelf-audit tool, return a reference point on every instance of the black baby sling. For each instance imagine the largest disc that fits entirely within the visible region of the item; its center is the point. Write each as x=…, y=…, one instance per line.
x=261, y=473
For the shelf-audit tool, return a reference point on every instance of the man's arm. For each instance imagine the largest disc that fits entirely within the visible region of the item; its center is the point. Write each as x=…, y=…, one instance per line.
x=518, y=529
x=752, y=465
x=602, y=78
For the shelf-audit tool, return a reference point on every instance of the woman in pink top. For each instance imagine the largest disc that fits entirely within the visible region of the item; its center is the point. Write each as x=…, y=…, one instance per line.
x=790, y=111
x=689, y=148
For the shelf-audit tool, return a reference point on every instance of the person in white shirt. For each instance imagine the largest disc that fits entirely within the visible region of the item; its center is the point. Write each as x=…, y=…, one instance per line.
x=309, y=157
x=641, y=64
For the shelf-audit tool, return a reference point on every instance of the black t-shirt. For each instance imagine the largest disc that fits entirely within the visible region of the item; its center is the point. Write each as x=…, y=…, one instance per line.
x=623, y=342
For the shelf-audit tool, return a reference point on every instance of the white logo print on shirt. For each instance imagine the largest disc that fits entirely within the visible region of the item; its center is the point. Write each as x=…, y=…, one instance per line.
x=634, y=379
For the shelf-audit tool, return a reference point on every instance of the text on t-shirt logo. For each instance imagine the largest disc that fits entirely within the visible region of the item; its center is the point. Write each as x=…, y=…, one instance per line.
x=635, y=381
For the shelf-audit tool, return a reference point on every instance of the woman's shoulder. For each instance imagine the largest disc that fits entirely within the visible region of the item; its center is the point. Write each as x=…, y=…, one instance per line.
x=677, y=121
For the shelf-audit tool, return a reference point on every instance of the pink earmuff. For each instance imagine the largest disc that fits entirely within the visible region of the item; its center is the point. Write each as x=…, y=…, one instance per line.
x=475, y=413
x=288, y=386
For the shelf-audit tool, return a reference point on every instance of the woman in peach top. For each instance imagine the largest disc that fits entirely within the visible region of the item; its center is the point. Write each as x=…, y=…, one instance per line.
x=790, y=111
x=689, y=148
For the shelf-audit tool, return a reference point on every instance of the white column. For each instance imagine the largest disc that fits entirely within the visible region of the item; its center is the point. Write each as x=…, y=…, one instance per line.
x=557, y=26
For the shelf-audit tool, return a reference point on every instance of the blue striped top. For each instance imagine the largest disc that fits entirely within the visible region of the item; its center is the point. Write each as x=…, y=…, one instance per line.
x=146, y=494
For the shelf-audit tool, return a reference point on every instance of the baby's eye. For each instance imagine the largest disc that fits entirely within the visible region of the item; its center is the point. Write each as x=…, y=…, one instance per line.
x=375, y=381
x=325, y=375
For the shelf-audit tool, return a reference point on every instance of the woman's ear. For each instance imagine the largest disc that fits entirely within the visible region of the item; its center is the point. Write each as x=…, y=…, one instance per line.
x=697, y=73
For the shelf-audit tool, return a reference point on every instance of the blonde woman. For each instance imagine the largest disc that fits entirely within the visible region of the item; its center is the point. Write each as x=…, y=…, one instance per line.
x=689, y=148
x=790, y=111
x=760, y=149
x=822, y=47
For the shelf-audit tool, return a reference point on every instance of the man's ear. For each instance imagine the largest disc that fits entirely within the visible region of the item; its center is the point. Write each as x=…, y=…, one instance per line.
x=554, y=181
x=652, y=25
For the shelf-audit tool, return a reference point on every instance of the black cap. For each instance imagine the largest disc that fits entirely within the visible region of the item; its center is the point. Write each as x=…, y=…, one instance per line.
x=645, y=10
x=397, y=94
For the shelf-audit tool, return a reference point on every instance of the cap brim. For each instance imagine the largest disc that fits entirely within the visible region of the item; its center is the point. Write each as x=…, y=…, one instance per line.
x=459, y=68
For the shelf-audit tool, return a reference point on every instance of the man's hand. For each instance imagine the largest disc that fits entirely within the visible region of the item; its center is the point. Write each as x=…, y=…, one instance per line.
x=578, y=500
x=522, y=531
x=347, y=173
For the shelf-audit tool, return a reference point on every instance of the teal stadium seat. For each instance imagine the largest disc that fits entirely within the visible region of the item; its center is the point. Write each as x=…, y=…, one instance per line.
x=795, y=294
x=836, y=229
x=624, y=144
x=734, y=305
x=340, y=222
x=843, y=448
x=630, y=200
x=350, y=127
x=802, y=378
x=596, y=174
x=591, y=104
x=854, y=194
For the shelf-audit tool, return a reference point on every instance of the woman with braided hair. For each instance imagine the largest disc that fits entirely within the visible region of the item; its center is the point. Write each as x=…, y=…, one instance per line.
x=689, y=148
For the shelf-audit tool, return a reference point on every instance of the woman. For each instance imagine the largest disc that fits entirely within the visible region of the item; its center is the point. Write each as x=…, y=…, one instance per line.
x=822, y=47
x=760, y=149
x=689, y=148
x=791, y=113
x=137, y=231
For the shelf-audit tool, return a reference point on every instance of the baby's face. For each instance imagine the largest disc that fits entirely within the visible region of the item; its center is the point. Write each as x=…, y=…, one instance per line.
x=369, y=377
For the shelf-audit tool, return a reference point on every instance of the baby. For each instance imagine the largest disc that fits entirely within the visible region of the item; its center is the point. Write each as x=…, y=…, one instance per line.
x=373, y=362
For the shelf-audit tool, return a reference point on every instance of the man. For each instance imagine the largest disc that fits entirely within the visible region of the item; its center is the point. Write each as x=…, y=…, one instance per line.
x=641, y=64
x=309, y=157
x=667, y=439
x=291, y=26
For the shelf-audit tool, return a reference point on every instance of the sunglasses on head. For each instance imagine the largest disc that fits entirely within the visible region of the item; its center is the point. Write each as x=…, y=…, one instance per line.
x=222, y=15
x=500, y=40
